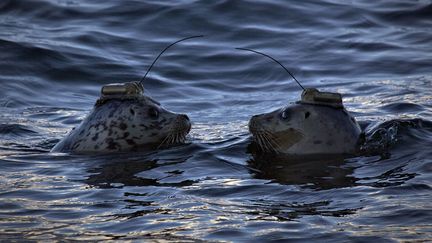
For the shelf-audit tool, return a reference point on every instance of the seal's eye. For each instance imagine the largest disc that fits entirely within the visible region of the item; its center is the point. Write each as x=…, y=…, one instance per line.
x=153, y=112
x=285, y=115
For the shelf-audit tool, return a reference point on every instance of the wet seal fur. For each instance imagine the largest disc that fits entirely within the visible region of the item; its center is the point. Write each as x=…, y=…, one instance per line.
x=125, y=124
x=125, y=119
x=306, y=129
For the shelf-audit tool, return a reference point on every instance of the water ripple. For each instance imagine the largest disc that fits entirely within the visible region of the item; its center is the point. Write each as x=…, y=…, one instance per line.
x=56, y=55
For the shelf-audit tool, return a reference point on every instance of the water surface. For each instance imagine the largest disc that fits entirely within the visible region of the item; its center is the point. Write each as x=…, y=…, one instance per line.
x=56, y=55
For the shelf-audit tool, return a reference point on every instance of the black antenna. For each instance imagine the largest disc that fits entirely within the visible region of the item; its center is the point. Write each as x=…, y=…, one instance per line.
x=245, y=49
x=166, y=48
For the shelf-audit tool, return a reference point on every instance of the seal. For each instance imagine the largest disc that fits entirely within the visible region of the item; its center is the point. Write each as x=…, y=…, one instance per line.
x=318, y=124
x=125, y=119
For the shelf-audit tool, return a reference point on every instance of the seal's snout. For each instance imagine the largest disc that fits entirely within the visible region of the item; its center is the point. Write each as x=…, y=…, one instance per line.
x=184, y=117
x=254, y=124
x=182, y=123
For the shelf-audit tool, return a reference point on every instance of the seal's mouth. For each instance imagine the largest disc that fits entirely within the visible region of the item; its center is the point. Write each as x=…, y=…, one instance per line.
x=273, y=142
x=264, y=138
x=178, y=132
x=266, y=142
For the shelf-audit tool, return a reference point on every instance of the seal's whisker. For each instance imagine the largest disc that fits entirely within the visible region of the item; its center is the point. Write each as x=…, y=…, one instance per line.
x=273, y=141
x=177, y=136
x=164, y=141
x=172, y=139
x=261, y=141
x=257, y=140
x=269, y=145
x=182, y=137
x=276, y=147
x=264, y=140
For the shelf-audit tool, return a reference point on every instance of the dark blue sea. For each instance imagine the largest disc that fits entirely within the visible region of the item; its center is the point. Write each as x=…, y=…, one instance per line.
x=55, y=55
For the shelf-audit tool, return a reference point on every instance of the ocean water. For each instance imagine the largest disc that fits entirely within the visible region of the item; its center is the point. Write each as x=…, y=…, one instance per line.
x=55, y=55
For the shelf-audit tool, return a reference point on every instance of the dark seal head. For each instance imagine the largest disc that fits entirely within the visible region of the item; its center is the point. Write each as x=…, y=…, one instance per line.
x=318, y=124
x=124, y=119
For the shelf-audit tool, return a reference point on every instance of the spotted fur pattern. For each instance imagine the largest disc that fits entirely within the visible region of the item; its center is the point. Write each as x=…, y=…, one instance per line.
x=123, y=125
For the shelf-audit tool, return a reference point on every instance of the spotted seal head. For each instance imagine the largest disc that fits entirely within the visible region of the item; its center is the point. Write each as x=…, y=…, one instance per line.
x=125, y=119
x=318, y=124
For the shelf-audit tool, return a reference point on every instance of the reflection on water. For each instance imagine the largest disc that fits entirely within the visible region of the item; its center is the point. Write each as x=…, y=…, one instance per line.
x=56, y=55
x=125, y=173
x=318, y=174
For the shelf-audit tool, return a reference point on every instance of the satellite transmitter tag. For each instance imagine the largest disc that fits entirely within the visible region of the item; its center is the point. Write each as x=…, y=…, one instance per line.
x=310, y=96
x=132, y=90
x=122, y=90
x=315, y=97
